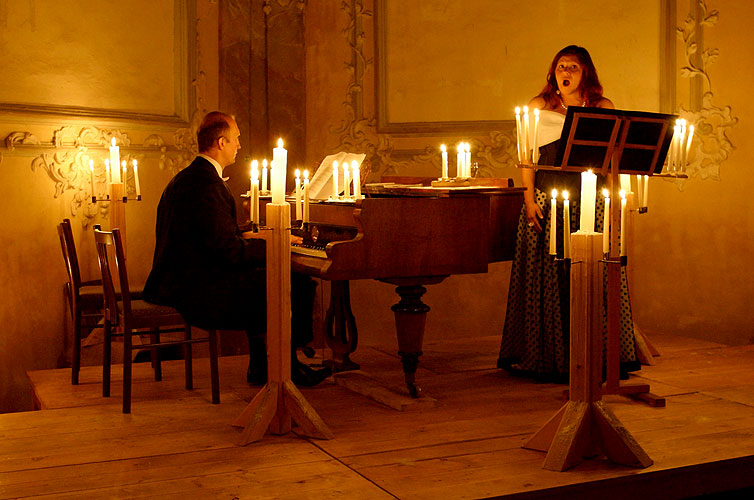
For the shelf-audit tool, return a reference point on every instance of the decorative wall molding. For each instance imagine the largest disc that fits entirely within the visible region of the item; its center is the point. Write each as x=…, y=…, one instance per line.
x=712, y=122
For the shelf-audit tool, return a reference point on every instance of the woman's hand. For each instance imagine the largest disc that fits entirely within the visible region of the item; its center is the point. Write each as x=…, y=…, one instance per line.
x=533, y=216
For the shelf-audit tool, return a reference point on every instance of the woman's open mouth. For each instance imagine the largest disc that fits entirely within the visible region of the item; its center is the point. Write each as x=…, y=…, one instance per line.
x=566, y=83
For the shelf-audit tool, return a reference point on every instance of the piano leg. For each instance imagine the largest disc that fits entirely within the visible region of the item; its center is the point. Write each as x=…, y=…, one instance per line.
x=410, y=318
x=340, y=327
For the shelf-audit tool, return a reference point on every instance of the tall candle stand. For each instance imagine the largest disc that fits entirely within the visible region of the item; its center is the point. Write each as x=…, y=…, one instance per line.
x=279, y=402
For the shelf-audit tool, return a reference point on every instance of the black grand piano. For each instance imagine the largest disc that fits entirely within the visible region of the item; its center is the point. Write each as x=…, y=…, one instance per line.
x=410, y=236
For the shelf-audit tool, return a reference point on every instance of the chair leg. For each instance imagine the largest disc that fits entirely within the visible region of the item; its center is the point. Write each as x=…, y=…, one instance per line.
x=213, y=369
x=76, y=361
x=106, y=360
x=187, y=360
x=156, y=363
x=127, y=369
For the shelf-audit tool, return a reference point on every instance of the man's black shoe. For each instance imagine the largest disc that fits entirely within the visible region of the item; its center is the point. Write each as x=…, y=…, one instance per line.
x=304, y=376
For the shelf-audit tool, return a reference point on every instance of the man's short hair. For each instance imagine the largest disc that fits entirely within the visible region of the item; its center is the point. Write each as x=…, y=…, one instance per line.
x=213, y=126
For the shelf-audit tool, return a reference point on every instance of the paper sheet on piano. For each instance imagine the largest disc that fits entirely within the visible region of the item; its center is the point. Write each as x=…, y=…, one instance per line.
x=321, y=185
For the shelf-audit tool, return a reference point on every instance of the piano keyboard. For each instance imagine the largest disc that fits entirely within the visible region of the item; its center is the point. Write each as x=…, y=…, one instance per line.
x=309, y=250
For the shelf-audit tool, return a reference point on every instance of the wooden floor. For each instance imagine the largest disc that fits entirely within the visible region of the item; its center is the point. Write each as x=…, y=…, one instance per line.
x=176, y=444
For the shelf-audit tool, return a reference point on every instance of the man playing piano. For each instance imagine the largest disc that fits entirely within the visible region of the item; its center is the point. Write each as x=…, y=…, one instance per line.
x=209, y=270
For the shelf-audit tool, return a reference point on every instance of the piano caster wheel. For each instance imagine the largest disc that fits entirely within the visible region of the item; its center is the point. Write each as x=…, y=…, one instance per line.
x=414, y=391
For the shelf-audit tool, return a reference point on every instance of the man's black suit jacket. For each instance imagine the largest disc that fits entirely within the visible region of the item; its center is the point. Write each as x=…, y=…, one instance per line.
x=202, y=266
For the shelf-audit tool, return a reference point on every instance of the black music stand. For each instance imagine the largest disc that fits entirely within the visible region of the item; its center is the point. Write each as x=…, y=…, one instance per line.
x=607, y=141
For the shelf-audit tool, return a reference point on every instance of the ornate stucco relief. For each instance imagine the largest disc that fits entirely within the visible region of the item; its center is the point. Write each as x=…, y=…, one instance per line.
x=712, y=121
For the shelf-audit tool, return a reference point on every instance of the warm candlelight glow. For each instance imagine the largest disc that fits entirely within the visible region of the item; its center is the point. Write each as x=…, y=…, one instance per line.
x=535, y=148
x=356, y=179
x=297, y=189
x=606, y=223
x=136, y=178
x=335, y=190
x=622, y=223
x=553, y=217
x=588, y=198
x=306, y=196
x=518, y=134
x=566, y=227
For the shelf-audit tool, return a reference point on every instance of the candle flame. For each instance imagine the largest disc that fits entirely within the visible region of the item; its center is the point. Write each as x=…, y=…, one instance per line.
x=280, y=142
x=565, y=195
x=467, y=147
x=345, y=167
x=112, y=142
x=518, y=110
x=91, y=165
x=354, y=165
x=536, y=112
x=526, y=110
x=623, y=194
x=554, y=193
x=254, y=164
x=134, y=163
x=123, y=164
x=605, y=193
x=306, y=175
x=442, y=148
x=297, y=173
x=254, y=174
x=335, y=164
x=264, y=163
x=107, y=164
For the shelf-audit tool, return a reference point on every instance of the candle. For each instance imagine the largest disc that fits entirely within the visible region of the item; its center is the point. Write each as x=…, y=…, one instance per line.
x=622, y=223
x=588, y=197
x=91, y=177
x=299, y=208
x=459, y=160
x=525, y=142
x=640, y=190
x=124, y=166
x=467, y=161
x=265, y=186
x=645, y=198
x=566, y=227
x=253, y=191
x=346, y=181
x=606, y=223
x=444, y=164
x=108, y=178
x=675, y=144
x=335, y=190
x=625, y=182
x=535, y=149
x=279, y=165
x=115, y=160
x=688, y=147
x=357, y=178
x=254, y=179
x=518, y=133
x=306, y=196
x=553, y=217
x=136, y=179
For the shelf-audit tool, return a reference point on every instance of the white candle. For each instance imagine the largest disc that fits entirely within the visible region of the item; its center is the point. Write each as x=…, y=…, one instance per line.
x=553, y=219
x=588, y=198
x=535, y=149
x=622, y=223
x=136, y=179
x=566, y=226
x=253, y=179
x=346, y=181
x=525, y=142
x=124, y=166
x=645, y=198
x=306, y=196
x=518, y=134
x=299, y=208
x=335, y=190
x=459, y=160
x=688, y=147
x=625, y=182
x=265, y=185
x=115, y=160
x=253, y=184
x=255, y=192
x=357, y=178
x=444, y=164
x=639, y=190
x=91, y=177
x=676, y=146
x=467, y=161
x=606, y=223
x=279, y=170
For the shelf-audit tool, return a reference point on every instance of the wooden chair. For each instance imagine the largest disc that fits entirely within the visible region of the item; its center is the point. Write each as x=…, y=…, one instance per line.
x=140, y=317
x=84, y=297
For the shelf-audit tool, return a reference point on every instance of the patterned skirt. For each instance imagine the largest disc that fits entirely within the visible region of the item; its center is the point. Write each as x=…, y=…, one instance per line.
x=535, y=336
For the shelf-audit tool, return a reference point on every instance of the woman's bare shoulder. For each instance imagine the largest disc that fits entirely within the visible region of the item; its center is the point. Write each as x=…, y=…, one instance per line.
x=606, y=103
x=537, y=102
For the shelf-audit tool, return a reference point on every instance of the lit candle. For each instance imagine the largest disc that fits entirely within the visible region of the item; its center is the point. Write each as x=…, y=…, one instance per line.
x=688, y=147
x=675, y=143
x=645, y=198
x=357, y=178
x=625, y=182
x=467, y=161
x=91, y=171
x=553, y=217
x=606, y=223
x=588, y=198
x=640, y=190
x=459, y=160
x=566, y=226
x=525, y=142
x=279, y=166
x=335, y=190
x=124, y=166
x=444, y=164
x=535, y=149
x=346, y=181
x=299, y=208
x=265, y=185
x=254, y=191
x=518, y=133
x=306, y=196
x=115, y=160
x=136, y=179
x=622, y=223
x=254, y=179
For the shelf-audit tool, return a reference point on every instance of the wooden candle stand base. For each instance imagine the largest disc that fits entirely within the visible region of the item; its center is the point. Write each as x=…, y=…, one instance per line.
x=279, y=403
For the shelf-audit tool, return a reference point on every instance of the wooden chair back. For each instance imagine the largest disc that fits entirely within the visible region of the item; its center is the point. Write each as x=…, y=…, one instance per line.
x=105, y=243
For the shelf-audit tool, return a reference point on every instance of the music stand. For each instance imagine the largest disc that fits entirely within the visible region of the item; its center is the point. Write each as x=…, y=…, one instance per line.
x=608, y=141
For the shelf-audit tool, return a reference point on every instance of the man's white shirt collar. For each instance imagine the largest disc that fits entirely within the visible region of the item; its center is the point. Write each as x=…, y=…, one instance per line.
x=214, y=164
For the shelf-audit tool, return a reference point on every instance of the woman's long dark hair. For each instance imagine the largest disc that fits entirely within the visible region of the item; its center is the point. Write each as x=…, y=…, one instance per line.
x=590, y=85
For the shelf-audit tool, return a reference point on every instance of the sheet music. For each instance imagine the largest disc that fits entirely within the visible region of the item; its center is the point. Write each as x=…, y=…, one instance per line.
x=320, y=187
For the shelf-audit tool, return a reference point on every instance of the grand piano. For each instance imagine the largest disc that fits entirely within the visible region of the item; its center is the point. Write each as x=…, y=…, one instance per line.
x=410, y=236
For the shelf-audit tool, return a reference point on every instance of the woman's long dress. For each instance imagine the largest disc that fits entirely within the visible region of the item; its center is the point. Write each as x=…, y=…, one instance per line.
x=535, y=335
